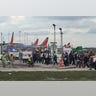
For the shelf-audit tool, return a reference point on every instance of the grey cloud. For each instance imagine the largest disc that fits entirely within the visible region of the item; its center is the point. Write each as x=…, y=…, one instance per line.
x=31, y=27
x=67, y=21
x=78, y=33
x=41, y=33
x=3, y=19
x=92, y=31
x=63, y=17
x=37, y=33
x=42, y=22
x=38, y=23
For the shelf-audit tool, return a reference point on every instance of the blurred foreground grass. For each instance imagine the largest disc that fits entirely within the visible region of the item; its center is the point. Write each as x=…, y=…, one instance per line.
x=48, y=76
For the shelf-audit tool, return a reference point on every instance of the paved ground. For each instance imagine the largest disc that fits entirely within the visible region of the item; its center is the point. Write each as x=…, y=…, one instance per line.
x=20, y=66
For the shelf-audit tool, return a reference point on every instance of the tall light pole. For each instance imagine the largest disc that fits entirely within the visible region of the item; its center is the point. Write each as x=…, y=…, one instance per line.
x=61, y=33
x=27, y=38
x=1, y=42
x=24, y=38
x=54, y=43
x=8, y=36
x=19, y=36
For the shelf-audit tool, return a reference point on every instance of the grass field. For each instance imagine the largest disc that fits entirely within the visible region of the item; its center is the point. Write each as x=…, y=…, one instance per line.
x=49, y=76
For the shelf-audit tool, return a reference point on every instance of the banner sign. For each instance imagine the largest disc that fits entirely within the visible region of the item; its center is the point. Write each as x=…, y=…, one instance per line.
x=68, y=50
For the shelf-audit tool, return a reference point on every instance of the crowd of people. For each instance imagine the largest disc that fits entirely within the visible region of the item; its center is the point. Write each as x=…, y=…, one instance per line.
x=79, y=59
x=7, y=59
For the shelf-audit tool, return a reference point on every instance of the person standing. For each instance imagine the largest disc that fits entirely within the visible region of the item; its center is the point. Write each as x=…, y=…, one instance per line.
x=3, y=58
x=12, y=60
x=20, y=55
x=55, y=58
x=30, y=61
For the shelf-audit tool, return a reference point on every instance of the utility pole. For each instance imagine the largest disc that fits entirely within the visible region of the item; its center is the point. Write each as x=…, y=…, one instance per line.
x=61, y=33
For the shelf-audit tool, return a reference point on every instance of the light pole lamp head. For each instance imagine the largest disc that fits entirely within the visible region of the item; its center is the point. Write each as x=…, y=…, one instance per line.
x=60, y=29
x=54, y=25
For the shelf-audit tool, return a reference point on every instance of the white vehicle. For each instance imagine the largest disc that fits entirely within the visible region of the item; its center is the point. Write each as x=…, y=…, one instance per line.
x=15, y=54
x=25, y=54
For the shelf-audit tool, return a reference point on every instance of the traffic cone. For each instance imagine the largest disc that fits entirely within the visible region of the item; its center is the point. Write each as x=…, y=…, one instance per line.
x=61, y=62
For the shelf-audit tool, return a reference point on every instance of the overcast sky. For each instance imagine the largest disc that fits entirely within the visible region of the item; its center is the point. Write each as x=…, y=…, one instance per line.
x=78, y=30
